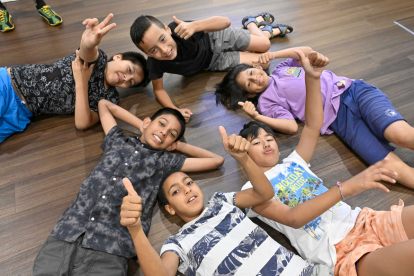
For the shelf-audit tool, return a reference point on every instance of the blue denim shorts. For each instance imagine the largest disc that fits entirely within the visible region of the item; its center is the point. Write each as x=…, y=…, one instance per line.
x=363, y=115
x=14, y=115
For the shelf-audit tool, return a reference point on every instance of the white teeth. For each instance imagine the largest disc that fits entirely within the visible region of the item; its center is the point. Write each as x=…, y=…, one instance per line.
x=158, y=138
x=191, y=199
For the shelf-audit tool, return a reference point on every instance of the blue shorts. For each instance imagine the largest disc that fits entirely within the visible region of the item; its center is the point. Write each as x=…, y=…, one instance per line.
x=363, y=115
x=14, y=115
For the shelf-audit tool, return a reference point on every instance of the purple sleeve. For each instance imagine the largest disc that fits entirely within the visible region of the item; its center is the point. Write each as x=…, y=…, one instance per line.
x=278, y=112
x=292, y=62
x=269, y=107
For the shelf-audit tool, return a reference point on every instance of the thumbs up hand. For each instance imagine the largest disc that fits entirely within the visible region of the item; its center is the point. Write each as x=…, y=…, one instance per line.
x=131, y=207
x=184, y=29
x=234, y=145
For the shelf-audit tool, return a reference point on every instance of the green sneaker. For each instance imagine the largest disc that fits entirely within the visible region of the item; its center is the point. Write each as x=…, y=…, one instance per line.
x=6, y=23
x=51, y=17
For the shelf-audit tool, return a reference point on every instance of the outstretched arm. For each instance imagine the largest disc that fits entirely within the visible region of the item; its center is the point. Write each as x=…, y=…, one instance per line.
x=150, y=261
x=203, y=160
x=304, y=213
x=288, y=126
x=165, y=100
x=313, y=66
x=262, y=190
x=212, y=24
x=84, y=116
x=92, y=36
x=109, y=111
x=285, y=53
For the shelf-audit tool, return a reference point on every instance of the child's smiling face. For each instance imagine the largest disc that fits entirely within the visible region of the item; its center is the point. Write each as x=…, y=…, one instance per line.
x=158, y=43
x=184, y=196
x=162, y=132
x=253, y=80
x=123, y=73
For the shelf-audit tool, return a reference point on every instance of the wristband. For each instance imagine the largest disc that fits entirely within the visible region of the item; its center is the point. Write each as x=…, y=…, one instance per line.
x=340, y=189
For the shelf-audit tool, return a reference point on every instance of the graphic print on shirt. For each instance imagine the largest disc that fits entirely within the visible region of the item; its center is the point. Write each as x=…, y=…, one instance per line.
x=293, y=71
x=340, y=84
x=295, y=186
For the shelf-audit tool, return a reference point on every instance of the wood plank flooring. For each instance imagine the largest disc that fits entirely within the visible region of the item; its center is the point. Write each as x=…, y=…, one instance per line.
x=42, y=168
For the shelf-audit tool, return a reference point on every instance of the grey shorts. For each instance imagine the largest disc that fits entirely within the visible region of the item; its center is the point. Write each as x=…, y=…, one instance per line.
x=59, y=257
x=226, y=46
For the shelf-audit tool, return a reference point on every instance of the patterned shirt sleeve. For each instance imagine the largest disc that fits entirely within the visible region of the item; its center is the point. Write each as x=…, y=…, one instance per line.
x=96, y=89
x=174, y=162
x=249, y=211
x=230, y=198
x=172, y=245
x=111, y=137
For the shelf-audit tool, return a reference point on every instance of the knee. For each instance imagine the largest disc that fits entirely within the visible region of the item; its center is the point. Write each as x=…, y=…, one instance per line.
x=400, y=133
x=266, y=45
x=400, y=138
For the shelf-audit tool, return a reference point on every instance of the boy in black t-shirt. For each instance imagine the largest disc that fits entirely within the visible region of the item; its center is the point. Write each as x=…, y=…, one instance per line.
x=187, y=48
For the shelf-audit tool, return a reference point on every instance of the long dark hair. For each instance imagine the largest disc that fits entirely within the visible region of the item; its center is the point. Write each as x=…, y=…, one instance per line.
x=229, y=92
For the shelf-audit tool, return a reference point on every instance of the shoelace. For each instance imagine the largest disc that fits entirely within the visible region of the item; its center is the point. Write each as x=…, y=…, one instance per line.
x=2, y=16
x=46, y=9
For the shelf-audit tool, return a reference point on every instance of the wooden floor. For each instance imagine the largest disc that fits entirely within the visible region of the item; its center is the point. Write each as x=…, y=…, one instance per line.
x=42, y=168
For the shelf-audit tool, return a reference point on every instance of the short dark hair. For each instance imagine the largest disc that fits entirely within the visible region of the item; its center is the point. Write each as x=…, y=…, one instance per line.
x=251, y=130
x=229, y=92
x=162, y=199
x=177, y=114
x=137, y=59
x=140, y=26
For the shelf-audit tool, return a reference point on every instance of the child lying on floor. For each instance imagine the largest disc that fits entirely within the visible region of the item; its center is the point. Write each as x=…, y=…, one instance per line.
x=317, y=222
x=217, y=239
x=358, y=112
x=188, y=48
x=34, y=89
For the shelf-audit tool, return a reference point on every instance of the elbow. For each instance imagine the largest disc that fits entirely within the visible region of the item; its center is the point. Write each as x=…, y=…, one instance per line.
x=227, y=22
x=219, y=161
x=294, y=223
x=293, y=128
x=308, y=48
x=81, y=125
x=269, y=196
x=102, y=103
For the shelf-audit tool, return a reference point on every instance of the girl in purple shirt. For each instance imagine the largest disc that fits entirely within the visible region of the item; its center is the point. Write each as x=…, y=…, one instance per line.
x=358, y=112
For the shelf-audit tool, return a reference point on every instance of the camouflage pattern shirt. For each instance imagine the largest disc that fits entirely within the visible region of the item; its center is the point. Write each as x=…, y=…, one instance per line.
x=96, y=209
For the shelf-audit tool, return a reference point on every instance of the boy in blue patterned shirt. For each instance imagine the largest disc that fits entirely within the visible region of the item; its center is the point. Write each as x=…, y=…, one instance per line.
x=88, y=238
x=217, y=239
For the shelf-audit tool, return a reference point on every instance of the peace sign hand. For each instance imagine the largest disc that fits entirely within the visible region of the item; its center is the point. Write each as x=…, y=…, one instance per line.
x=94, y=32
